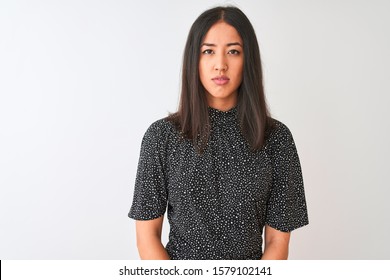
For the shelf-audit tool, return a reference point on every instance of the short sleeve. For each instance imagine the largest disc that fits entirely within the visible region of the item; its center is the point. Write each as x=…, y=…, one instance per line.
x=150, y=192
x=286, y=207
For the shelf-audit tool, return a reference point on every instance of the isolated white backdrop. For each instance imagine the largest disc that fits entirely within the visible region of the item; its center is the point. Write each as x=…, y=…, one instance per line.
x=81, y=80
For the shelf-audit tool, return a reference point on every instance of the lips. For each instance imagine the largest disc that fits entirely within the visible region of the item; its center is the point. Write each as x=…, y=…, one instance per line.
x=221, y=80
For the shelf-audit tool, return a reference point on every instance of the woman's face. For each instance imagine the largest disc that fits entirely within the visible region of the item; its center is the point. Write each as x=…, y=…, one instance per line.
x=220, y=65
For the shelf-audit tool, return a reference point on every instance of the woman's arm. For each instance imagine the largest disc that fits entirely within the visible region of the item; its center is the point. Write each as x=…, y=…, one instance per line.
x=149, y=240
x=276, y=244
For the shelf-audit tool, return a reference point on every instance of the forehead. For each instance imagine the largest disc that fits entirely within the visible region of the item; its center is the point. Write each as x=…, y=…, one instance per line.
x=222, y=33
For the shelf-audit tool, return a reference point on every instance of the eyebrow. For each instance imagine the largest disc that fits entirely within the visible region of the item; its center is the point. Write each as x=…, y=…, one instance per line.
x=228, y=44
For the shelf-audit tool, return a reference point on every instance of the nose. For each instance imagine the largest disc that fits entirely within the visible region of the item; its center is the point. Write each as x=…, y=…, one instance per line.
x=220, y=64
x=221, y=68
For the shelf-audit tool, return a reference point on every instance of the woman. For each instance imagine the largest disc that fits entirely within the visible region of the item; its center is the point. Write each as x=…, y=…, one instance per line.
x=225, y=170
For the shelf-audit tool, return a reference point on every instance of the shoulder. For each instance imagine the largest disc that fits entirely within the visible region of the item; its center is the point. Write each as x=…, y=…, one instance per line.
x=280, y=137
x=160, y=126
x=278, y=131
x=159, y=131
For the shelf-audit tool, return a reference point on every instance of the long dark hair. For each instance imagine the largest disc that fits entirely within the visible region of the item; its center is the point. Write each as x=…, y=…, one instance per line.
x=192, y=117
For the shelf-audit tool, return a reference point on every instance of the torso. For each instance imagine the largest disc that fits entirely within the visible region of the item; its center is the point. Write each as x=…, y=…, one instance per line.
x=217, y=200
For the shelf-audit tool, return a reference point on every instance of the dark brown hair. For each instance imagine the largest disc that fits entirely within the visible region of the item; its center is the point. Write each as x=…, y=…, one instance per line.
x=192, y=117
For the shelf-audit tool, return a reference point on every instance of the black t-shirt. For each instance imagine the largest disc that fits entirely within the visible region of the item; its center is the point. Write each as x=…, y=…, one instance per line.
x=219, y=202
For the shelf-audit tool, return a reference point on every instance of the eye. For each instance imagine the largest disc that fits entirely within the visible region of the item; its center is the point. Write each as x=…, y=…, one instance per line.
x=234, y=52
x=208, y=51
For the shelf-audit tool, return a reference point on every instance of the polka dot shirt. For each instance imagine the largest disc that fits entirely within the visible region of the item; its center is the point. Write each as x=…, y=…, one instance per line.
x=219, y=202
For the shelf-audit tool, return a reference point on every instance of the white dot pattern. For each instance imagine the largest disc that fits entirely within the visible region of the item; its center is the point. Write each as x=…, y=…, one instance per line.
x=219, y=202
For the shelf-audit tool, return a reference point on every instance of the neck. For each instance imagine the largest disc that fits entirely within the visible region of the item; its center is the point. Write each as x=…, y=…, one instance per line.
x=222, y=105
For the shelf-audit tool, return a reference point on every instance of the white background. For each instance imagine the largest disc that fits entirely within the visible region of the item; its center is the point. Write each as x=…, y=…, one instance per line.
x=80, y=82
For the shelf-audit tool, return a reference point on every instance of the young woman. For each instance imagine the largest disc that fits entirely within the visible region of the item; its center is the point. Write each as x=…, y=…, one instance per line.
x=225, y=170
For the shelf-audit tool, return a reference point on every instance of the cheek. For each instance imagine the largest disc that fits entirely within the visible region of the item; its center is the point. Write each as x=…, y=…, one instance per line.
x=202, y=67
x=201, y=73
x=204, y=74
x=239, y=68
